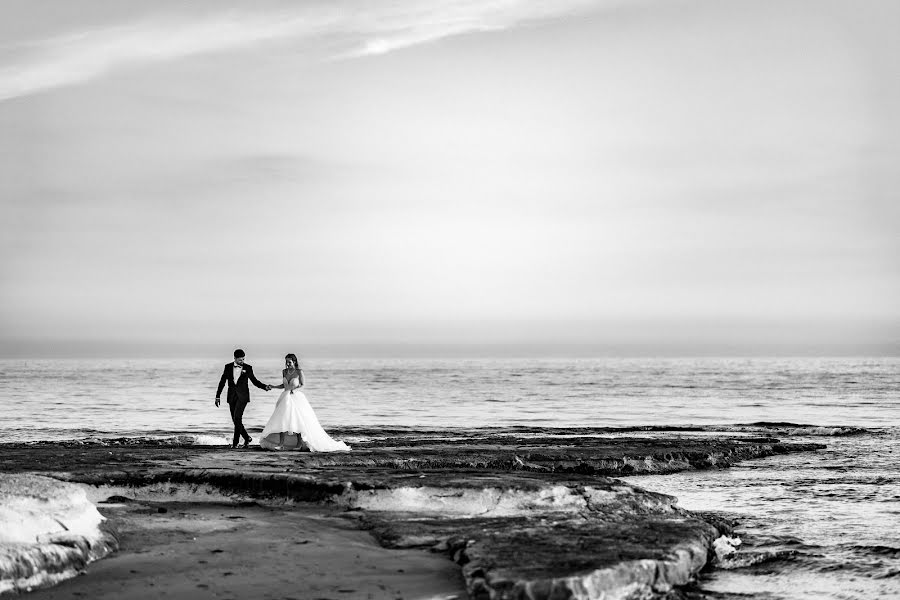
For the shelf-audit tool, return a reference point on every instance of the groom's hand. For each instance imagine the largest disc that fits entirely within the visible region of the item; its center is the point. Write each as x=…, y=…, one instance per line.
x=217, y=403
x=268, y=388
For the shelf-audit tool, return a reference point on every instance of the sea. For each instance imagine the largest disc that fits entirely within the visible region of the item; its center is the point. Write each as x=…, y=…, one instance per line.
x=812, y=525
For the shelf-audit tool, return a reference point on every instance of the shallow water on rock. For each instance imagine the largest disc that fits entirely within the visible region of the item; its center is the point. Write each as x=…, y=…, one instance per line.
x=814, y=525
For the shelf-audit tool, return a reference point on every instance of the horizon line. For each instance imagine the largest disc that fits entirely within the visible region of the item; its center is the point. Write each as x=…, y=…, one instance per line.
x=111, y=350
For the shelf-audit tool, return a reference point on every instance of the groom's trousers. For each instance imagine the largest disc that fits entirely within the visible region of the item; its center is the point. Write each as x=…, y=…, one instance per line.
x=237, y=417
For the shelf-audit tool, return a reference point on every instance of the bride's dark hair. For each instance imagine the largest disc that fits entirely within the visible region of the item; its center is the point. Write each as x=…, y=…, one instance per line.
x=293, y=358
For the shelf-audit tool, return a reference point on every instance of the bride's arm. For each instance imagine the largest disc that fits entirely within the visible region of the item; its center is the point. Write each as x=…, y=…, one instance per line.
x=280, y=386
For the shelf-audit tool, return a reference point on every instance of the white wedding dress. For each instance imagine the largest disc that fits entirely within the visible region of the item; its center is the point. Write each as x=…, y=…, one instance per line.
x=294, y=417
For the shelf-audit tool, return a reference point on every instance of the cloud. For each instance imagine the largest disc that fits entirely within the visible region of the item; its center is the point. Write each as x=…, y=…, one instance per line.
x=350, y=29
x=77, y=57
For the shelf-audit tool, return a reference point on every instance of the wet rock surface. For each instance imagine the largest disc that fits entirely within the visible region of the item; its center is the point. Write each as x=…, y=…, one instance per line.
x=582, y=451
x=526, y=514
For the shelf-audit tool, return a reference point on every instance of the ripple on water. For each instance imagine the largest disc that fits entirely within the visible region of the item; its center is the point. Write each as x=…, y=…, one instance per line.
x=795, y=516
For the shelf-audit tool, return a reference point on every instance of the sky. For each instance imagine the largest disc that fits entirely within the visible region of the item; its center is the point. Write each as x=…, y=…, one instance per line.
x=612, y=176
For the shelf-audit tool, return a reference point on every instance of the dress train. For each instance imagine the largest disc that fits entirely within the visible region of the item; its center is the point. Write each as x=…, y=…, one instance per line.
x=294, y=417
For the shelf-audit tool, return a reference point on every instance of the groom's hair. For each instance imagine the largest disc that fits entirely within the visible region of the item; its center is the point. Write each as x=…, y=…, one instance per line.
x=239, y=353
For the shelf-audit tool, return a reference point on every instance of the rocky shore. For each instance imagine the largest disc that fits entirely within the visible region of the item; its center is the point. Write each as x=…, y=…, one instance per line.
x=519, y=513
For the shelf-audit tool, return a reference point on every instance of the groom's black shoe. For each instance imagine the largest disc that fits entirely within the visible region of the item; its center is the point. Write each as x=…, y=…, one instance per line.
x=247, y=442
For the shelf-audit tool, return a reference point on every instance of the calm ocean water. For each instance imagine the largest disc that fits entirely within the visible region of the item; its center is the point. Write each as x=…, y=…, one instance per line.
x=69, y=398
x=814, y=525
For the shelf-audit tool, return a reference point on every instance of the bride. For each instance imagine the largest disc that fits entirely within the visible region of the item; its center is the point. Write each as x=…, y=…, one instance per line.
x=293, y=423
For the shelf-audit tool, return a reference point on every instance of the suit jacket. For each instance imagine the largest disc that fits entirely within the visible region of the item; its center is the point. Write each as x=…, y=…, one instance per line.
x=238, y=391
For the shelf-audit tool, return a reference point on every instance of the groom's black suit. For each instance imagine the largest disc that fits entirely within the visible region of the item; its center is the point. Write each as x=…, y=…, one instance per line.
x=238, y=396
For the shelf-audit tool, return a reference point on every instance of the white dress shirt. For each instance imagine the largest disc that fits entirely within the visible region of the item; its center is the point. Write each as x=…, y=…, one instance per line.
x=237, y=371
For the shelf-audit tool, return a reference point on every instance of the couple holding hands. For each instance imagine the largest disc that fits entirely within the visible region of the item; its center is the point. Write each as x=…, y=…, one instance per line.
x=293, y=424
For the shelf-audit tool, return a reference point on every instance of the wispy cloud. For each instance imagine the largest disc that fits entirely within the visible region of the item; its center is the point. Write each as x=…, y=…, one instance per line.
x=75, y=57
x=349, y=29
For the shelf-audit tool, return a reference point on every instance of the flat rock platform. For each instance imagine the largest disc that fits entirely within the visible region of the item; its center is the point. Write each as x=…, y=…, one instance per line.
x=488, y=513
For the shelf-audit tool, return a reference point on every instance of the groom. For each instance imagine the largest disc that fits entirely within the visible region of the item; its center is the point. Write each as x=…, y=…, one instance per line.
x=236, y=374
